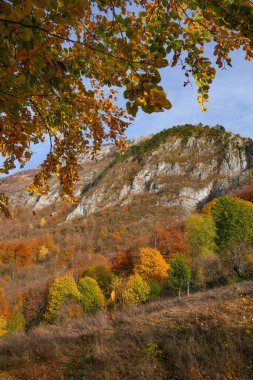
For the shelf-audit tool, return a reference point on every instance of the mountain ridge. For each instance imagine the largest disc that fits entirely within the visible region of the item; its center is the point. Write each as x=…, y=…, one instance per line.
x=183, y=166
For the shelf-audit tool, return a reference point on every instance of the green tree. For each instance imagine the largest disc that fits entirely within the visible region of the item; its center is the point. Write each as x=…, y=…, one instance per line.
x=63, y=289
x=201, y=234
x=49, y=47
x=155, y=290
x=234, y=224
x=102, y=274
x=179, y=274
x=92, y=297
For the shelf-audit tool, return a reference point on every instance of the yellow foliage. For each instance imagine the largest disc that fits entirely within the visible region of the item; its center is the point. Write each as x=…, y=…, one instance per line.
x=136, y=291
x=208, y=208
x=64, y=288
x=92, y=297
x=151, y=265
x=43, y=222
x=119, y=286
x=43, y=253
x=3, y=325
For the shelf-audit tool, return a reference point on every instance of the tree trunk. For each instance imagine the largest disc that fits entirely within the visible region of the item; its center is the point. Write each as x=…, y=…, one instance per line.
x=188, y=289
x=179, y=293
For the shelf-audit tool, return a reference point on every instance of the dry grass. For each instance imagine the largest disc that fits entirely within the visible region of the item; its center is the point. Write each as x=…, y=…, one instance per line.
x=208, y=336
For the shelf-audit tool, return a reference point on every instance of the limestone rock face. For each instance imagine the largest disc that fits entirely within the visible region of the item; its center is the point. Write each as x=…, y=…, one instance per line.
x=181, y=171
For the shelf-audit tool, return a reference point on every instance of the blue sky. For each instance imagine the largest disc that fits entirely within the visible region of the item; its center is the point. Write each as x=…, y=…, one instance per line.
x=231, y=105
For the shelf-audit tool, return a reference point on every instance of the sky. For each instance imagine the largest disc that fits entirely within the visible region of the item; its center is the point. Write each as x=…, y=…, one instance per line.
x=230, y=105
x=230, y=101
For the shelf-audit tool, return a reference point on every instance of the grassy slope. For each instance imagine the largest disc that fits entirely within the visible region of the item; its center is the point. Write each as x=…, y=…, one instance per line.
x=208, y=336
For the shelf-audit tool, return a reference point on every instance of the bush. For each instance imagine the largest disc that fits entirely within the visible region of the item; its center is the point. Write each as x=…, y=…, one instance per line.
x=137, y=290
x=69, y=310
x=35, y=304
x=151, y=265
x=102, y=274
x=119, y=285
x=17, y=321
x=155, y=290
x=92, y=297
x=63, y=288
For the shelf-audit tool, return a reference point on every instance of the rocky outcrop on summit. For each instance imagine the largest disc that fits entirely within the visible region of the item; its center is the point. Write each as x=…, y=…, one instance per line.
x=182, y=171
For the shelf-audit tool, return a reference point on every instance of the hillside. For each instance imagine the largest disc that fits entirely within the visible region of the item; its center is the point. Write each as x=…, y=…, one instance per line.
x=125, y=201
x=90, y=290
x=179, y=167
x=205, y=337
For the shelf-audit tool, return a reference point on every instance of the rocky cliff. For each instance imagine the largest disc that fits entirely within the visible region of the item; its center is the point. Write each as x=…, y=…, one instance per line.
x=183, y=166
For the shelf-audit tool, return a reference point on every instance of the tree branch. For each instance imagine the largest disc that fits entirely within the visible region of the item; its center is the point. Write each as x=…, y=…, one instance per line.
x=69, y=40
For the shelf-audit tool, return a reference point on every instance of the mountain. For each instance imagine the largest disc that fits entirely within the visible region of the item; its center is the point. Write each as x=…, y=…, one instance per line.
x=135, y=219
x=180, y=167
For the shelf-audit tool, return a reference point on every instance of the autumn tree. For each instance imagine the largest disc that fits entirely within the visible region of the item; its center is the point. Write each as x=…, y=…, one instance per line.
x=137, y=290
x=245, y=193
x=179, y=274
x=200, y=232
x=92, y=297
x=5, y=311
x=3, y=325
x=130, y=290
x=150, y=264
x=169, y=238
x=101, y=273
x=62, y=289
x=20, y=253
x=123, y=263
x=118, y=287
x=49, y=47
x=35, y=304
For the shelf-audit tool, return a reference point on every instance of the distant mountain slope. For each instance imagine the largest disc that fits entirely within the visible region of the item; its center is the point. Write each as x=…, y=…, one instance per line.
x=183, y=166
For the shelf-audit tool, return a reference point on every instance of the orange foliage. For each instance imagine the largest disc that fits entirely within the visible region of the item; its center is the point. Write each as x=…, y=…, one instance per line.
x=123, y=263
x=170, y=240
x=24, y=252
x=18, y=252
x=4, y=307
x=245, y=193
x=150, y=264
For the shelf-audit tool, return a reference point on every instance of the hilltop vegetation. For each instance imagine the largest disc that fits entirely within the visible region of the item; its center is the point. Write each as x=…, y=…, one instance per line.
x=138, y=151
x=206, y=249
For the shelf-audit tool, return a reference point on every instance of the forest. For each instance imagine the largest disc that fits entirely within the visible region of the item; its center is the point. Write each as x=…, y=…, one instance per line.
x=207, y=249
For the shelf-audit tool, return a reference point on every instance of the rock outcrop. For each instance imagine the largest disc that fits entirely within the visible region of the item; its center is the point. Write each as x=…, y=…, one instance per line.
x=183, y=166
